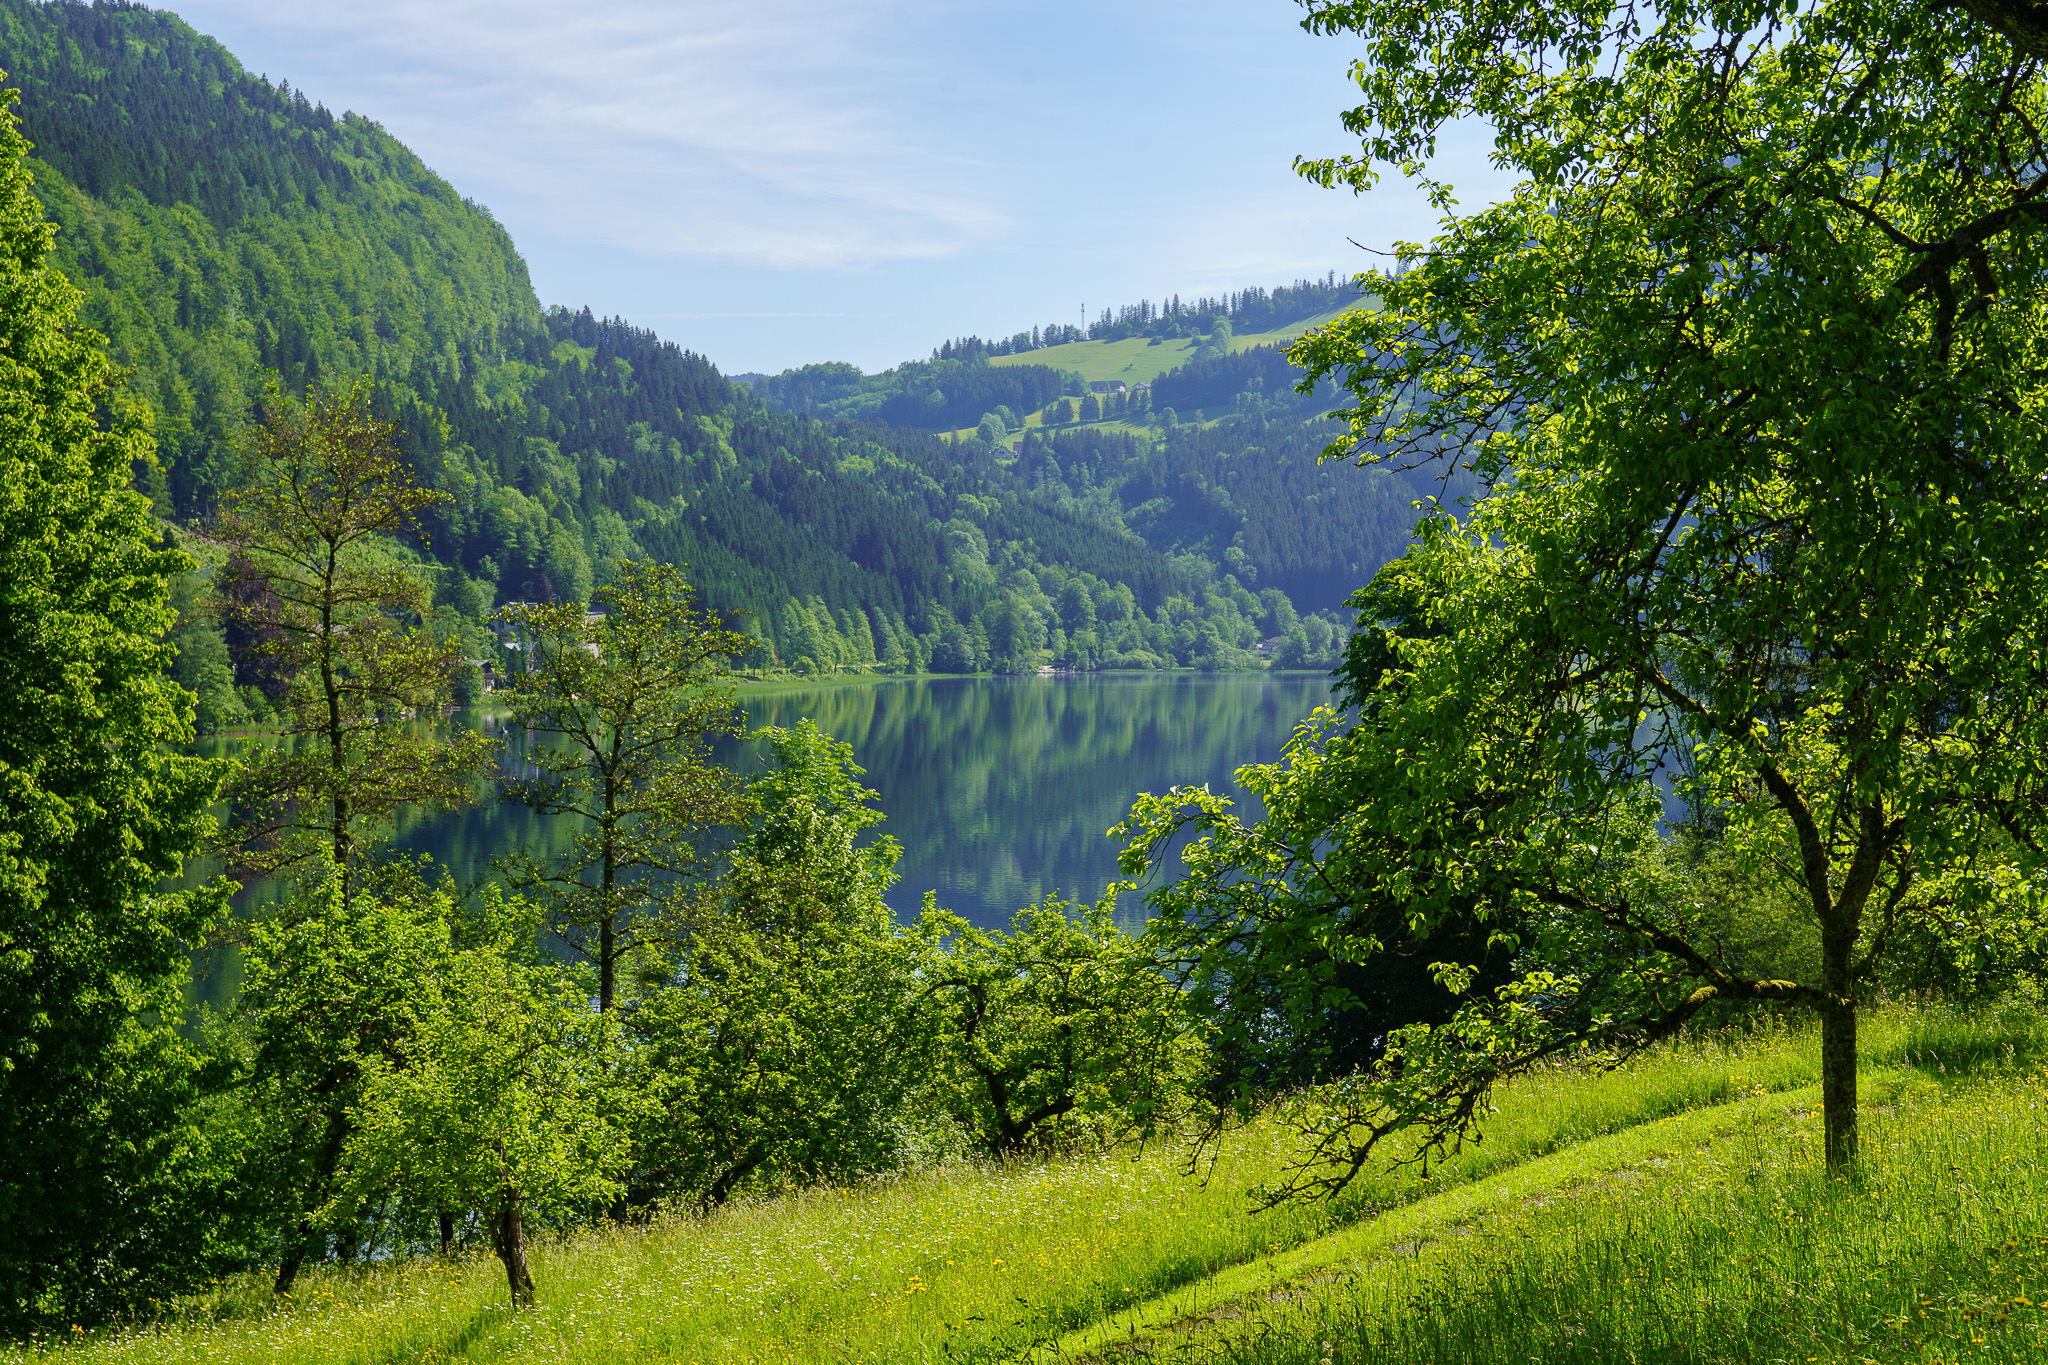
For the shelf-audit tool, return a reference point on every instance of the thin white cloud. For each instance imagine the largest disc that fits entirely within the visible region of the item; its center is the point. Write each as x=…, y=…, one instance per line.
x=752, y=131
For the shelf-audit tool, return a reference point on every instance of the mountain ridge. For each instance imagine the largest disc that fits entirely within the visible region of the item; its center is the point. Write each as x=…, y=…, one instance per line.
x=227, y=232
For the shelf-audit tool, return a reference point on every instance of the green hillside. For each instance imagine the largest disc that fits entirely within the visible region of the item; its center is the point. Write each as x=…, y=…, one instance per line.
x=225, y=231
x=1671, y=1211
x=1140, y=360
x=220, y=226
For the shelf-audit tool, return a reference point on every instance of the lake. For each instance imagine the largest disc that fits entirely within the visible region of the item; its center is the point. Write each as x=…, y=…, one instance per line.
x=999, y=789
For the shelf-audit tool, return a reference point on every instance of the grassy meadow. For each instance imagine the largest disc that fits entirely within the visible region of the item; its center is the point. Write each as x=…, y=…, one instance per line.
x=1673, y=1210
x=1135, y=360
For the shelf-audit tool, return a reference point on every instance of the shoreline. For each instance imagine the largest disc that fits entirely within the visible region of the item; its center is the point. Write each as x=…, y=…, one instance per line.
x=750, y=685
x=489, y=703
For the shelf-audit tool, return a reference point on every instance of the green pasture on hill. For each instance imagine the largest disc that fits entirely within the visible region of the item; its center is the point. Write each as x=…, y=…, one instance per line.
x=1136, y=360
x=1035, y=421
x=1673, y=1210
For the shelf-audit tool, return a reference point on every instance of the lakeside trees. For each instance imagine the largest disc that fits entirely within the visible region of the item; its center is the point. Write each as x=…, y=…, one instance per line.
x=506, y=1095
x=782, y=1029
x=403, y=1069
x=315, y=584
x=327, y=992
x=627, y=691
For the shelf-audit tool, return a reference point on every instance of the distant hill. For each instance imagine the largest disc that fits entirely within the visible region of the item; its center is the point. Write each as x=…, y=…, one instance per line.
x=964, y=380
x=1284, y=310
x=1198, y=442
x=225, y=229
x=1141, y=359
x=1136, y=344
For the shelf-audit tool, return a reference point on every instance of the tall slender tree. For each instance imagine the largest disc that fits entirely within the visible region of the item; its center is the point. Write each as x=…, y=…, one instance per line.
x=629, y=693
x=317, y=578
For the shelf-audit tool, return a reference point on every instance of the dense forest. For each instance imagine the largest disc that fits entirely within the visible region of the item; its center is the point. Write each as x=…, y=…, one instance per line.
x=228, y=232
x=936, y=395
x=220, y=226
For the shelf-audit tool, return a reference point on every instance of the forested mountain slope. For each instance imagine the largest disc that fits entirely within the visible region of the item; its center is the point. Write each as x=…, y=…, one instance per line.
x=220, y=226
x=226, y=230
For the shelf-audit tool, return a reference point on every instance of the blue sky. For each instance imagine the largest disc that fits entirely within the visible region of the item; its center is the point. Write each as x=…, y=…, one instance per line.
x=774, y=182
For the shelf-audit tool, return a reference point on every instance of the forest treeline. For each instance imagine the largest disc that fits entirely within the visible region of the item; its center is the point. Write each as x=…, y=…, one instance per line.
x=1246, y=310
x=957, y=386
x=935, y=395
x=227, y=232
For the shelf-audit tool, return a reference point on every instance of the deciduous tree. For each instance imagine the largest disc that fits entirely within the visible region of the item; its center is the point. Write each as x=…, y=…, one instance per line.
x=327, y=994
x=317, y=582
x=1750, y=364
x=789, y=1034
x=1064, y=1028
x=630, y=693
x=506, y=1095
x=97, y=810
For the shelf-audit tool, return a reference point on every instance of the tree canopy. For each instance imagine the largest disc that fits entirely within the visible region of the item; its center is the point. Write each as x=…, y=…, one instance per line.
x=96, y=810
x=1748, y=367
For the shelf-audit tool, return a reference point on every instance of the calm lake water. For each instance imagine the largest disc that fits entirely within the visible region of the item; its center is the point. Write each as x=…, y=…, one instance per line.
x=999, y=789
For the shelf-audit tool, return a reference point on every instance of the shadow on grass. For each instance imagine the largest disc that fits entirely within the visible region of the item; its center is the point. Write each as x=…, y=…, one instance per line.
x=452, y=1346
x=1952, y=1044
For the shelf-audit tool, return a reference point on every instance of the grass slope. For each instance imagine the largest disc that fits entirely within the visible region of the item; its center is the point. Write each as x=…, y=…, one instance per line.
x=1669, y=1211
x=1735, y=1249
x=1248, y=1300
x=1136, y=360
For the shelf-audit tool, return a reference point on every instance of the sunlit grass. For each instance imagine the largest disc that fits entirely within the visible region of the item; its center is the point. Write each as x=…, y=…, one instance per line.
x=1745, y=1252
x=973, y=1263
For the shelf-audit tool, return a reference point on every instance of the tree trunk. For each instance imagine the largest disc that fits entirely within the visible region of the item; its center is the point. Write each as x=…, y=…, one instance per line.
x=1839, y=916
x=508, y=1232
x=294, y=1257
x=347, y=1241
x=1838, y=1017
x=447, y=1233
x=337, y=734
x=607, y=931
x=721, y=1189
x=1838, y=1084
